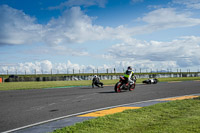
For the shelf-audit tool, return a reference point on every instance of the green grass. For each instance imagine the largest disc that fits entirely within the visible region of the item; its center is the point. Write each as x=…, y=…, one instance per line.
x=178, y=79
x=171, y=117
x=50, y=84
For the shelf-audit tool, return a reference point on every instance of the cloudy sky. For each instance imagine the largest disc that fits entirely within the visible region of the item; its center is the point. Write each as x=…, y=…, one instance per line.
x=84, y=35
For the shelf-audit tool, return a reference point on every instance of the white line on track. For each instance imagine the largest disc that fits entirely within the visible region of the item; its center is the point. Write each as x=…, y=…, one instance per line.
x=76, y=114
x=64, y=100
x=51, y=104
x=81, y=100
x=40, y=107
x=36, y=108
x=86, y=95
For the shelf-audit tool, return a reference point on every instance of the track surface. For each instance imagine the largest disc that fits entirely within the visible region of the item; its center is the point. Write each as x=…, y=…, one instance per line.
x=23, y=107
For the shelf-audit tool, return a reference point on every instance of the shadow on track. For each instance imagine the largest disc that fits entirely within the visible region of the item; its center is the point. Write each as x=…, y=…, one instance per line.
x=106, y=92
x=89, y=88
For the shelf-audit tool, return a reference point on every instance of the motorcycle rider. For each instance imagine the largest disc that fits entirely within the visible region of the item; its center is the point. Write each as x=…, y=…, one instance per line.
x=96, y=81
x=128, y=76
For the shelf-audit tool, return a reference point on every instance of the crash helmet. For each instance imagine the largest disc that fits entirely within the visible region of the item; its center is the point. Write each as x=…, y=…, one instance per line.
x=95, y=76
x=129, y=68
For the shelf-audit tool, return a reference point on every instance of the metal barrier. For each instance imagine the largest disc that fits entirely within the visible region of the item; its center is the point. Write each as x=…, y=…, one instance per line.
x=90, y=77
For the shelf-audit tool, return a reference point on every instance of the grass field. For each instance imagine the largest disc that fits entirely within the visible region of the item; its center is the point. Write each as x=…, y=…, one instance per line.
x=171, y=117
x=47, y=84
x=50, y=84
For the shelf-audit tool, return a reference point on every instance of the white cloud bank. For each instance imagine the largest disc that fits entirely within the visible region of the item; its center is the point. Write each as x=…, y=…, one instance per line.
x=47, y=67
x=18, y=28
x=84, y=3
x=153, y=55
x=194, y=4
x=74, y=26
x=183, y=52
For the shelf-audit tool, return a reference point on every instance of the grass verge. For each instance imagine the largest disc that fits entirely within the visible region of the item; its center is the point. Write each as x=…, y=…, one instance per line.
x=171, y=117
x=51, y=84
x=48, y=84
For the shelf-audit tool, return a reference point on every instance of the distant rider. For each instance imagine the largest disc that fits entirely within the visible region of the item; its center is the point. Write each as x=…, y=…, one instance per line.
x=96, y=81
x=128, y=75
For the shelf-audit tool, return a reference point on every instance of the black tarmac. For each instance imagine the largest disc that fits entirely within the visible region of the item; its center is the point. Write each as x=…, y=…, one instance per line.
x=20, y=108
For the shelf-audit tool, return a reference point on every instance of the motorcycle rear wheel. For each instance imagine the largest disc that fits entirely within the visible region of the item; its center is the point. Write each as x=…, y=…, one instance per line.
x=117, y=87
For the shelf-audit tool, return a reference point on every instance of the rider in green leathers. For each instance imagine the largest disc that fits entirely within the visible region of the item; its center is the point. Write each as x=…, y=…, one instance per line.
x=128, y=75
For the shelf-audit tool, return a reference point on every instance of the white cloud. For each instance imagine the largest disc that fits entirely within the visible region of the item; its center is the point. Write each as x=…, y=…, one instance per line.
x=84, y=3
x=64, y=50
x=76, y=27
x=152, y=55
x=73, y=26
x=17, y=27
x=46, y=67
x=136, y=1
x=183, y=52
x=165, y=18
x=194, y=4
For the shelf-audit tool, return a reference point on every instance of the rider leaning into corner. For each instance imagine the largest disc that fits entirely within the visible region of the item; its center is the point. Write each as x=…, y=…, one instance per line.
x=128, y=75
x=96, y=82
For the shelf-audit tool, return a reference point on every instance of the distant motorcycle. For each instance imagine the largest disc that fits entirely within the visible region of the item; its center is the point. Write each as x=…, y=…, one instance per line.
x=122, y=85
x=150, y=81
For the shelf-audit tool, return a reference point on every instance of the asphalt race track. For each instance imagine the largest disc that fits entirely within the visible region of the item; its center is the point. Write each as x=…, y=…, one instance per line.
x=23, y=107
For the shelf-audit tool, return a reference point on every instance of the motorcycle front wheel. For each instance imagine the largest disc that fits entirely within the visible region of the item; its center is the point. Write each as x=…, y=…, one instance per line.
x=132, y=87
x=117, y=87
